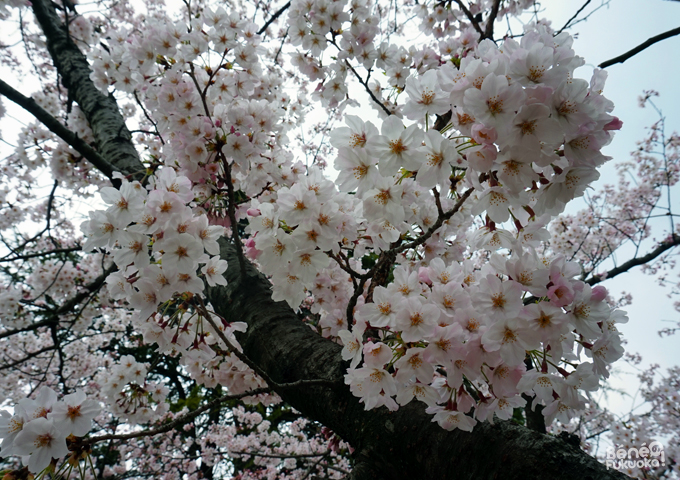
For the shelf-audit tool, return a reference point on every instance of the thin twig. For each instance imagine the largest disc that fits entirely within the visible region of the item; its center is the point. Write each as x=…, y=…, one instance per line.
x=440, y=221
x=648, y=43
x=27, y=357
x=578, y=12
x=148, y=117
x=191, y=415
x=273, y=18
x=179, y=420
x=66, y=307
x=241, y=356
x=368, y=89
x=231, y=211
x=634, y=262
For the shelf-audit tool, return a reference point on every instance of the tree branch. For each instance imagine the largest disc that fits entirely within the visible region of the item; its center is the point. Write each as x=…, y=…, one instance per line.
x=578, y=12
x=470, y=17
x=273, y=18
x=40, y=254
x=388, y=445
x=66, y=307
x=634, y=262
x=28, y=356
x=488, y=30
x=181, y=420
x=440, y=221
x=112, y=137
x=56, y=127
x=308, y=370
x=368, y=89
x=648, y=43
x=28, y=328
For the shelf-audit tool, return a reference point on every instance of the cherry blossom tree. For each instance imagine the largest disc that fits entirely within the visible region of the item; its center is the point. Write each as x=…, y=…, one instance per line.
x=204, y=276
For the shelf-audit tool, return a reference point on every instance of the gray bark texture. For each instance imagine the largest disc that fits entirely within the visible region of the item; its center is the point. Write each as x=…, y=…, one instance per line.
x=404, y=444
x=388, y=445
x=113, y=139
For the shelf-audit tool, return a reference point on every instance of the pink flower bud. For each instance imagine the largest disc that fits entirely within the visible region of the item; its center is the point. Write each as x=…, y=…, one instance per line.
x=252, y=252
x=599, y=293
x=615, y=124
x=254, y=212
x=212, y=168
x=224, y=221
x=423, y=276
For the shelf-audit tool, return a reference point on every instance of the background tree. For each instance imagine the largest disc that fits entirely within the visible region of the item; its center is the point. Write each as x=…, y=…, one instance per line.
x=232, y=378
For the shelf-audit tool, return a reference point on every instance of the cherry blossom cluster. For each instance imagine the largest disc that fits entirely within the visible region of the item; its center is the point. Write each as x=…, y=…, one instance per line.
x=158, y=243
x=221, y=118
x=619, y=440
x=37, y=148
x=129, y=394
x=445, y=21
x=524, y=139
x=48, y=281
x=455, y=340
x=434, y=258
x=259, y=445
x=143, y=229
x=204, y=356
x=40, y=429
x=276, y=453
x=352, y=29
x=625, y=212
x=524, y=135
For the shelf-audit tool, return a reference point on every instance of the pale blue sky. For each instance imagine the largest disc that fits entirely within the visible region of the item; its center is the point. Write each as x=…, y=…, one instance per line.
x=611, y=31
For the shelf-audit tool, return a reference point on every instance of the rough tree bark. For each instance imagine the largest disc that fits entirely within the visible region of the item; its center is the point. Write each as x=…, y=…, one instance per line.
x=112, y=137
x=388, y=445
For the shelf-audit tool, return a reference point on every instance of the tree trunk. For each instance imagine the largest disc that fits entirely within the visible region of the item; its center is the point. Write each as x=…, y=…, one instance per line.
x=388, y=445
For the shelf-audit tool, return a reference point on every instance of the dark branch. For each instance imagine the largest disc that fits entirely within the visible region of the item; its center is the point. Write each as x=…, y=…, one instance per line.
x=56, y=127
x=488, y=30
x=578, y=12
x=273, y=18
x=179, y=420
x=368, y=89
x=112, y=137
x=40, y=254
x=14, y=363
x=634, y=262
x=651, y=41
x=440, y=221
x=195, y=413
x=470, y=17
x=394, y=445
x=66, y=307
x=28, y=328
